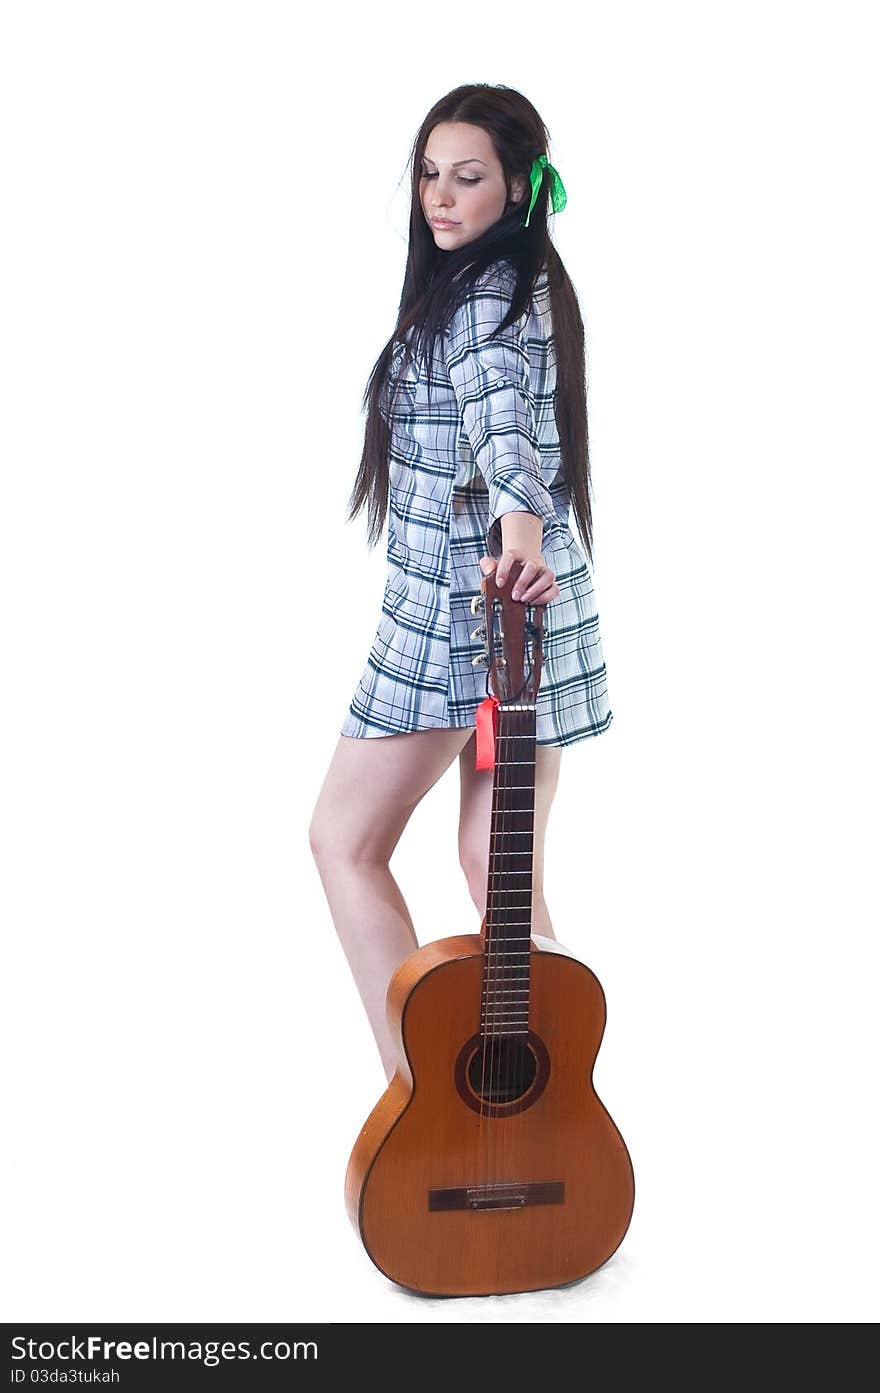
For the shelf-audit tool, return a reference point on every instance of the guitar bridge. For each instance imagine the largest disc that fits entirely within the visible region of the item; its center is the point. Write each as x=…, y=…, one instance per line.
x=498, y=1195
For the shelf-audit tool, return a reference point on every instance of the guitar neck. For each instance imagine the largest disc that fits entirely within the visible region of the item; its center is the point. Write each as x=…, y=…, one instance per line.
x=506, y=974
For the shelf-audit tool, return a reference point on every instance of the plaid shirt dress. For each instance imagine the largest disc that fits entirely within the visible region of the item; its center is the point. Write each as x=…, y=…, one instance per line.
x=486, y=444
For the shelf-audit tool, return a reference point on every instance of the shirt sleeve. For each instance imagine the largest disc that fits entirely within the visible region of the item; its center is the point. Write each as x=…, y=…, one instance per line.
x=490, y=378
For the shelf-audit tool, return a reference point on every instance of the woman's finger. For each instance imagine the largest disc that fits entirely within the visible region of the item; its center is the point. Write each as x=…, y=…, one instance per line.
x=545, y=597
x=531, y=591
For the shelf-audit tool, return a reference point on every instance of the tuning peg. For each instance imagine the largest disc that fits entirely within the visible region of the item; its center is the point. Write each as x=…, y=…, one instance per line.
x=479, y=632
x=478, y=602
x=481, y=658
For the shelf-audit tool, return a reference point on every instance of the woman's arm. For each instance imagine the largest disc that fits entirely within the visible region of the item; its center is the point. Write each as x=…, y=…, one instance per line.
x=490, y=378
x=521, y=531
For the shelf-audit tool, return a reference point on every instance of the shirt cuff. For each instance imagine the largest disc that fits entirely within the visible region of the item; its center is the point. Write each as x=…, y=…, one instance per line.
x=518, y=493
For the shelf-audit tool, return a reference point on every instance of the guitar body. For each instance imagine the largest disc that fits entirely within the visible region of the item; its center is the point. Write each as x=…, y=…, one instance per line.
x=459, y=1189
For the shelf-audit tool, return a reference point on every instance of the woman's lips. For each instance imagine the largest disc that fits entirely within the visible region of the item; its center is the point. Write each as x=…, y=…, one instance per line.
x=443, y=223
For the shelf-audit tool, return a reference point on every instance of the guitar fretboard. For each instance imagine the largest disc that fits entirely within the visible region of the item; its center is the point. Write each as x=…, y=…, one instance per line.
x=506, y=976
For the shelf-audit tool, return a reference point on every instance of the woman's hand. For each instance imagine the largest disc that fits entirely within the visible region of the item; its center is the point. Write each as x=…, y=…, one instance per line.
x=535, y=584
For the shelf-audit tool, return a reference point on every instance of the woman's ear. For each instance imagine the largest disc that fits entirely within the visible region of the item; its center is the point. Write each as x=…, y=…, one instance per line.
x=517, y=189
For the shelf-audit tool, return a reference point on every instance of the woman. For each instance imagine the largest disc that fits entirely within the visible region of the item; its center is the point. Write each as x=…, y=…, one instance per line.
x=475, y=443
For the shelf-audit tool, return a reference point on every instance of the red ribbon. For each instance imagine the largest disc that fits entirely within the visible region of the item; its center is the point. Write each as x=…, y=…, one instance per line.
x=486, y=727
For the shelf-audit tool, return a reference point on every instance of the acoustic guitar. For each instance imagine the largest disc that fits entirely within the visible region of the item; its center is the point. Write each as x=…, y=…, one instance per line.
x=490, y=1164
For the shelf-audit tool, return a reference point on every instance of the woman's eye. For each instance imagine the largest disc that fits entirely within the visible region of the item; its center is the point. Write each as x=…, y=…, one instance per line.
x=432, y=174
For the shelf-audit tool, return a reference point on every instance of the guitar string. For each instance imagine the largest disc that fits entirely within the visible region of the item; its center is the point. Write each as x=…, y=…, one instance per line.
x=507, y=1003
x=516, y=976
x=507, y=998
x=527, y=730
x=531, y=723
x=496, y=1012
x=522, y=979
x=493, y=1011
x=489, y=945
x=534, y=959
x=507, y=994
x=498, y=995
x=509, y=1124
x=507, y=1050
x=483, y=1010
x=503, y=981
x=498, y=989
x=530, y=843
x=504, y=974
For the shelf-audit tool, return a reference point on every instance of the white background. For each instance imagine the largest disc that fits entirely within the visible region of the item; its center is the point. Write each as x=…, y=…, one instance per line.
x=204, y=240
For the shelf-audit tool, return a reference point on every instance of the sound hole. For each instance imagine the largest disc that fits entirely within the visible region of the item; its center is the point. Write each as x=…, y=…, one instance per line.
x=503, y=1069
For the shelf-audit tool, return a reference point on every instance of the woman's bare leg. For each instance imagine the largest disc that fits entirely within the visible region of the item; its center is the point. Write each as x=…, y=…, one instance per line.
x=369, y=793
x=474, y=822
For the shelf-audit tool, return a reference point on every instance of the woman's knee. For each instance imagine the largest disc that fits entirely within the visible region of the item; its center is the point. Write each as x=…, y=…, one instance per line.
x=371, y=790
x=323, y=838
x=338, y=834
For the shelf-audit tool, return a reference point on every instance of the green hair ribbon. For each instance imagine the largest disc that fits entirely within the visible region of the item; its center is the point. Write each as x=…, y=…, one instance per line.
x=558, y=195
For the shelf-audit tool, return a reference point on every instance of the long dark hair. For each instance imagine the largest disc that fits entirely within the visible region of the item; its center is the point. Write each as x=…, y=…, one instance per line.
x=436, y=281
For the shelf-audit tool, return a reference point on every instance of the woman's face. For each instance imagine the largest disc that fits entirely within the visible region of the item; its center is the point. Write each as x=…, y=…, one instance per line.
x=462, y=182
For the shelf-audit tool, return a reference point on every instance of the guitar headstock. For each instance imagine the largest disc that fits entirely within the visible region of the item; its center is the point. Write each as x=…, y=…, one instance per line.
x=512, y=633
